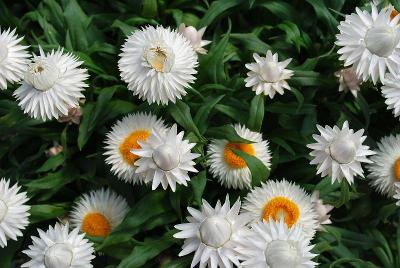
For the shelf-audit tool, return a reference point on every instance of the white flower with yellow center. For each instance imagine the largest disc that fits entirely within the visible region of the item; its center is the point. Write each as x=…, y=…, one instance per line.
x=348, y=81
x=59, y=248
x=268, y=75
x=158, y=64
x=13, y=58
x=166, y=159
x=384, y=171
x=273, y=245
x=339, y=152
x=322, y=210
x=53, y=84
x=282, y=199
x=231, y=169
x=210, y=234
x=391, y=93
x=98, y=212
x=123, y=138
x=195, y=37
x=13, y=212
x=370, y=42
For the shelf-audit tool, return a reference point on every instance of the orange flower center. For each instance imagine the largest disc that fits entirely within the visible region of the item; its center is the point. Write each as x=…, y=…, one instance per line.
x=95, y=224
x=397, y=169
x=234, y=160
x=393, y=14
x=279, y=207
x=131, y=143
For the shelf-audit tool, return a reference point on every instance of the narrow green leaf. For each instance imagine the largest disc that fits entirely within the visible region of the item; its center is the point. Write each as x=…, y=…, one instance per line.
x=216, y=9
x=259, y=172
x=52, y=163
x=256, y=113
x=198, y=184
x=202, y=114
x=180, y=111
x=46, y=212
x=226, y=132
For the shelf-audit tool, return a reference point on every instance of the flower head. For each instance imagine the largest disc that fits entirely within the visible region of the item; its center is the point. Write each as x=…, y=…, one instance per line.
x=340, y=152
x=370, y=42
x=348, y=81
x=158, y=64
x=195, y=37
x=74, y=116
x=268, y=75
x=391, y=93
x=13, y=212
x=53, y=84
x=13, y=58
x=165, y=158
x=230, y=169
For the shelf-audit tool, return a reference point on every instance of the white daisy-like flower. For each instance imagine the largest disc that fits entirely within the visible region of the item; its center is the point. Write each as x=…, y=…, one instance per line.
x=384, y=171
x=59, y=248
x=391, y=93
x=158, y=64
x=123, y=138
x=98, y=212
x=166, y=159
x=370, y=42
x=210, y=234
x=397, y=193
x=273, y=245
x=230, y=169
x=339, y=152
x=322, y=211
x=268, y=75
x=348, y=81
x=53, y=84
x=195, y=37
x=282, y=199
x=13, y=212
x=13, y=58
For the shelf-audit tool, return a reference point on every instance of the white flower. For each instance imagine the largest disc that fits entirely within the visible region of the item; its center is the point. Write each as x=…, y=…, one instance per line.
x=397, y=193
x=13, y=212
x=370, y=42
x=13, y=58
x=210, y=234
x=53, y=84
x=348, y=81
x=59, y=248
x=230, y=169
x=339, y=152
x=391, y=93
x=273, y=245
x=385, y=167
x=158, y=64
x=268, y=75
x=123, y=138
x=195, y=37
x=166, y=158
x=322, y=210
x=282, y=199
x=99, y=212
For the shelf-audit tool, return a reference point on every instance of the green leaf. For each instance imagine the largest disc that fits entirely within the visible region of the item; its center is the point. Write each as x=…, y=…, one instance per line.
x=198, y=184
x=216, y=9
x=150, y=8
x=293, y=35
x=46, y=212
x=256, y=113
x=202, y=114
x=251, y=42
x=181, y=262
x=52, y=163
x=259, y=172
x=7, y=253
x=226, y=132
x=279, y=8
x=323, y=13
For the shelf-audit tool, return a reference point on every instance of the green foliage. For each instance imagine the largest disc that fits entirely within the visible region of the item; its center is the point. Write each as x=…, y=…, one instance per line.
x=366, y=230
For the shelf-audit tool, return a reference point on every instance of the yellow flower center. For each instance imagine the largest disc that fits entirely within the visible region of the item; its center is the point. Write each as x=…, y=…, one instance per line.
x=233, y=160
x=393, y=14
x=95, y=224
x=396, y=168
x=279, y=207
x=157, y=59
x=131, y=143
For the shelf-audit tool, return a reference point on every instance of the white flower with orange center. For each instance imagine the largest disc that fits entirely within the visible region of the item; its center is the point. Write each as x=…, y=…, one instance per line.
x=158, y=64
x=322, y=211
x=13, y=58
x=166, y=159
x=273, y=245
x=384, y=171
x=339, y=152
x=230, y=169
x=348, y=81
x=98, y=212
x=53, y=84
x=282, y=199
x=210, y=234
x=391, y=93
x=13, y=212
x=124, y=137
x=59, y=248
x=267, y=75
x=370, y=42
x=195, y=37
